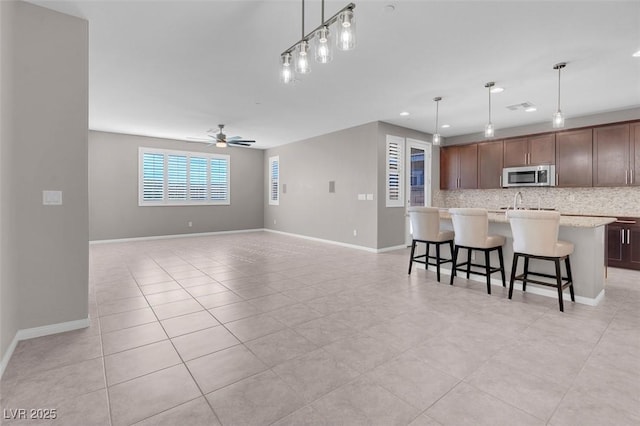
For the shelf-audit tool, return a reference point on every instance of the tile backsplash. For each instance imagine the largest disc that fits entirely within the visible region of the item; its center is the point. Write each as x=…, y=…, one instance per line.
x=617, y=201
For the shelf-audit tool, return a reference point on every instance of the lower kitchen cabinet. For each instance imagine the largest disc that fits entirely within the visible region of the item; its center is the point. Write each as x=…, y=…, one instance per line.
x=623, y=243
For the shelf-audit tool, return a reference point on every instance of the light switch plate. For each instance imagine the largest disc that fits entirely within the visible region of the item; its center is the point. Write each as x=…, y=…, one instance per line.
x=369, y=197
x=52, y=198
x=362, y=197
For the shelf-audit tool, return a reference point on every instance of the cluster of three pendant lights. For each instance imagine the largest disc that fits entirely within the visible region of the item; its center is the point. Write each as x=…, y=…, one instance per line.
x=489, y=131
x=345, y=40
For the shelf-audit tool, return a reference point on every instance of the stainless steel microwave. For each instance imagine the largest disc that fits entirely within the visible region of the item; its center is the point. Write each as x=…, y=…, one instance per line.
x=529, y=176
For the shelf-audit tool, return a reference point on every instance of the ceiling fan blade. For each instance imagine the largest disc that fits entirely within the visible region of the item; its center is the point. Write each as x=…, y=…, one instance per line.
x=197, y=140
x=239, y=143
x=234, y=138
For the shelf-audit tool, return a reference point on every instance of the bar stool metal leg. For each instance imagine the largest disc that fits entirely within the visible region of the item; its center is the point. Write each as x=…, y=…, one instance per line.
x=455, y=263
x=514, y=265
x=413, y=250
x=438, y=262
x=504, y=284
x=559, y=281
x=468, y=262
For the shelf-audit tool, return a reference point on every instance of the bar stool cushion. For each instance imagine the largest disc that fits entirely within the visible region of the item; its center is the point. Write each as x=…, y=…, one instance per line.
x=425, y=225
x=536, y=232
x=472, y=228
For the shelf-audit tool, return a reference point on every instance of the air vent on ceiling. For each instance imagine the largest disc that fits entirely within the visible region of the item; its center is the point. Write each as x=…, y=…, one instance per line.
x=523, y=106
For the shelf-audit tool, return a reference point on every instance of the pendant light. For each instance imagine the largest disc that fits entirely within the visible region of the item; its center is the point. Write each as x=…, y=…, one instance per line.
x=286, y=72
x=558, y=117
x=346, y=39
x=488, y=128
x=436, y=135
x=302, y=54
x=321, y=37
x=324, y=52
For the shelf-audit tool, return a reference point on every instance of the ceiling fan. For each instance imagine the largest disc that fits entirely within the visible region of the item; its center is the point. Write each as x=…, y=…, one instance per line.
x=221, y=140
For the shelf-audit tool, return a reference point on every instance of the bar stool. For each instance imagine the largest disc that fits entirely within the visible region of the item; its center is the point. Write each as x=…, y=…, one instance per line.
x=471, y=227
x=535, y=236
x=425, y=225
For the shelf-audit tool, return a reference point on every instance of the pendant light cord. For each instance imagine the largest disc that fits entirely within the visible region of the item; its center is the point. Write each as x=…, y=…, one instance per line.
x=489, y=104
x=437, y=111
x=323, y=12
x=559, y=69
x=303, y=19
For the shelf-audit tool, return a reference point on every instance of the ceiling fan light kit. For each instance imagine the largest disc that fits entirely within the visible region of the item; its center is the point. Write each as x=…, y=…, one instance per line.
x=220, y=140
x=321, y=35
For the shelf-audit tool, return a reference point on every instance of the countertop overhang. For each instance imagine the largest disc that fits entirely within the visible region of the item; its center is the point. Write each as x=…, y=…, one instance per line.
x=499, y=216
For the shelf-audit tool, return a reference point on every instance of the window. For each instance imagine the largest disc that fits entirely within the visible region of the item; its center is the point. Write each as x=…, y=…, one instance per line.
x=182, y=178
x=274, y=180
x=394, y=161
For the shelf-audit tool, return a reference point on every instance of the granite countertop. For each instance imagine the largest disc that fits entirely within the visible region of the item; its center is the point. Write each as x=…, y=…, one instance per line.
x=499, y=216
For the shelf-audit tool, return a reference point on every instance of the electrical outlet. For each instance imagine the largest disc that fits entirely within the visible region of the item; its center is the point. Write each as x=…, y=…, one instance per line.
x=275, y=221
x=189, y=224
x=355, y=232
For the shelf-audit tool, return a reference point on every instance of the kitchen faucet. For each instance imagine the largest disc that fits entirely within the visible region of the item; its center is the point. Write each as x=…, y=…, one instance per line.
x=517, y=197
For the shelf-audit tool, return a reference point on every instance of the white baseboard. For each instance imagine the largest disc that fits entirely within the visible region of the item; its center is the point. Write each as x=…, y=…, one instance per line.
x=336, y=243
x=533, y=289
x=45, y=330
x=164, y=237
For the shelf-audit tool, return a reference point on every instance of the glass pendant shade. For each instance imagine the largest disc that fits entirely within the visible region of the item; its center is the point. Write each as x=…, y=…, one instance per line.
x=488, y=130
x=286, y=71
x=324, y=52
x=558, y=120
x=437, y=139
x=302, y=58
x=346, y=39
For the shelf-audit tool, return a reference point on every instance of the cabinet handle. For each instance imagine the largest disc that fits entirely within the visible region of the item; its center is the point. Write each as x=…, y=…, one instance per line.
x=626, y=177
x=628, y=236
x=529, y=158
x=631, y=173
x=500, y=181
x=557, y=179
x=622, y=236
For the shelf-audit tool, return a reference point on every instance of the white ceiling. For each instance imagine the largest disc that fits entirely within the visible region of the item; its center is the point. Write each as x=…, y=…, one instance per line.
x=175, y=69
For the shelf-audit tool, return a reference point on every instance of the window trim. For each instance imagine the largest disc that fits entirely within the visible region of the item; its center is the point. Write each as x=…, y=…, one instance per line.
x=188, y=202
x=274, y=201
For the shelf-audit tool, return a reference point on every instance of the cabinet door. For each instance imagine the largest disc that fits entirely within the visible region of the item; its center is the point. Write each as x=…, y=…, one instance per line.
x=633, y=247
x=635, y=153
x=611, y=155
x=574, y=158
x=615, y=243
x=490, y=164
x=542, y=149
x=516, y=152
x=449, y=167
x=468, y=166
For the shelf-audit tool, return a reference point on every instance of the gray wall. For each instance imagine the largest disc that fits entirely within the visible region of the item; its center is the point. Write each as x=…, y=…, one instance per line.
x=113, y=187
x=392, y=220
x=348, y=157
x=355, y=159
x=44, y=147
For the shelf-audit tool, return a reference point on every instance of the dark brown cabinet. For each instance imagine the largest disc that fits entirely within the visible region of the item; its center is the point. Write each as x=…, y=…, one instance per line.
x=613, y=156
x=490, y=164
x=530, y=150
x=459, y=167
x=635, y=153
x=574, y=158
x=623, y=243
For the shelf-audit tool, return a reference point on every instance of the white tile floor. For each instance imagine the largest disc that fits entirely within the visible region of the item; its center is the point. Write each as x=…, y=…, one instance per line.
x=259, y=328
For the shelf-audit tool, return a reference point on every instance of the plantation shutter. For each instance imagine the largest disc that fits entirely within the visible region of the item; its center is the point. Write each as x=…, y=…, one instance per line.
x=395, y=166
x=219, y=179
x=274, y=180
x=152, y=177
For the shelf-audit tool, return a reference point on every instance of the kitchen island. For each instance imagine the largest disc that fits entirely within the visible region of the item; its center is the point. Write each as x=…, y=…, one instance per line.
x=587, y=234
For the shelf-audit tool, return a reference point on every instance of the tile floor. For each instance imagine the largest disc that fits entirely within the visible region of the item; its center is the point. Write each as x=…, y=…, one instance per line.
x=259, y=328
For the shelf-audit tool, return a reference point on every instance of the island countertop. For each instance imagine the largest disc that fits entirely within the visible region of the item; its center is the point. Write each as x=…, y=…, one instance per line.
x=499, y=216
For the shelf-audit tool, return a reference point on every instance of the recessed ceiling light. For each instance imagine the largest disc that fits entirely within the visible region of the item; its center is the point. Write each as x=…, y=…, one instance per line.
x=637, y=54
x=446, y=126
x=404, y=113
x=497, y=89
x=530, y=109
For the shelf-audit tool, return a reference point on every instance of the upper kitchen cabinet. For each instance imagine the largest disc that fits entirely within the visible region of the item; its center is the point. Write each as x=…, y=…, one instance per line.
x=530, y=151
x=490, y=155
x=574, y=158
x=459, y=167
x=613, y=156
x=635, y=152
